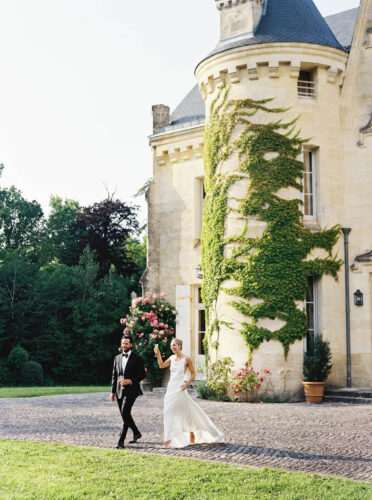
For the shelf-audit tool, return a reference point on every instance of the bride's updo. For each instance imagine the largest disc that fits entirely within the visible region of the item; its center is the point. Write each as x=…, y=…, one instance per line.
x=178, y=342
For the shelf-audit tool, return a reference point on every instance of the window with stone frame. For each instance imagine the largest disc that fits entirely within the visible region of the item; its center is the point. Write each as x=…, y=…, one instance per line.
x=199, y=206
x=309, y=183
x=201, y=323
x=306, y=84
x=311, y=308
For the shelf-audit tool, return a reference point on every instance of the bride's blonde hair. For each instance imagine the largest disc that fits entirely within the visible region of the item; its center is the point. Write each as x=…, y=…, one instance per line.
x=178, y=342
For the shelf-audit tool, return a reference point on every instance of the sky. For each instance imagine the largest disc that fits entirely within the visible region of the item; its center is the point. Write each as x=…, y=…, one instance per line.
x=77, y=82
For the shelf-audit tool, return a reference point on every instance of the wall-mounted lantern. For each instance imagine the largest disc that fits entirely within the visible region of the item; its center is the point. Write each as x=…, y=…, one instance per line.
x=358, y=298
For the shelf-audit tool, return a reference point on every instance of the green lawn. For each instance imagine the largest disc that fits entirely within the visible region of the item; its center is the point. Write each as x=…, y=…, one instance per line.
x=30, y=392
x=42, y=471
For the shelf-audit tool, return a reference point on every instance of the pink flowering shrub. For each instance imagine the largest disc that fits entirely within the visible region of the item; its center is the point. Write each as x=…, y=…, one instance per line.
x=247, y=383
x=151, y=320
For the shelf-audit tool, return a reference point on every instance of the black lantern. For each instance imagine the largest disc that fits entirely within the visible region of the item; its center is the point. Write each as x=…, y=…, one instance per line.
x=358, y=298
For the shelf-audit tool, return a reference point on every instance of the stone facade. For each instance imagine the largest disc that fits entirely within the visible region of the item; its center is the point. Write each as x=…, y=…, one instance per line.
x=335, y=113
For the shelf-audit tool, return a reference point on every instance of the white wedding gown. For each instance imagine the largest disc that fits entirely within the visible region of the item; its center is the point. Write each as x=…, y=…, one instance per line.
x=183, y=415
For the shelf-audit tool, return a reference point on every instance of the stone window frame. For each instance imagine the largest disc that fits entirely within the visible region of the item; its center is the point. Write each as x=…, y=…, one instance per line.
x=200, y=313
x=310, y=183
x=199, y=197
x=311, y=306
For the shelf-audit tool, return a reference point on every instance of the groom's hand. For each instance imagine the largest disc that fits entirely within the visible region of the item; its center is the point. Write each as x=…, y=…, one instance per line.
x=127, y=381
x=112, y=397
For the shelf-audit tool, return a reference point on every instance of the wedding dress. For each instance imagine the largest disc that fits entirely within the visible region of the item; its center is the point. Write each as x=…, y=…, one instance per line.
x=183, y=415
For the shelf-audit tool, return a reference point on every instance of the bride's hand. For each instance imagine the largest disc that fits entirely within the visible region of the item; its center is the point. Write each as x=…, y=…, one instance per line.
x=183, y=387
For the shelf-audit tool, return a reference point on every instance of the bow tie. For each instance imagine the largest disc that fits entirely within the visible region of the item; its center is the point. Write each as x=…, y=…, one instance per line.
x=125, y=355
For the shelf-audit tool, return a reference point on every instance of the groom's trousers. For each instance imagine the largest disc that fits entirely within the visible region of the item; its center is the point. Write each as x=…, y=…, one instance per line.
x=125, y=407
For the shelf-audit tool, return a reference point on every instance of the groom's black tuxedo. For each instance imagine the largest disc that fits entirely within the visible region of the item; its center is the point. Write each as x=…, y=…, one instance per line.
x=135, y=370
x=127, y=395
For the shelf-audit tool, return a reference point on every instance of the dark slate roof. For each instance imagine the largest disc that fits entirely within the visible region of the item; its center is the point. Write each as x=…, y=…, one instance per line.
x=342, y=25
x=292, y=21
x=191, y=109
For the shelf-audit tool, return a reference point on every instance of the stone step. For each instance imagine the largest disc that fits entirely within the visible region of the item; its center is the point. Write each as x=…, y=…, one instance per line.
x=159, y=390
x=350, y=393
x=348, y=400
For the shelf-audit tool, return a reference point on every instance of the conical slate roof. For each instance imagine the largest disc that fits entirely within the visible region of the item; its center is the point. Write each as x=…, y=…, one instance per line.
x=342, y=25
x=287, y=21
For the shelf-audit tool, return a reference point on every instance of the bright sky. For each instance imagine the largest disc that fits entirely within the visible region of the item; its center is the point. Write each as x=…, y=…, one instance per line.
x=78, y=78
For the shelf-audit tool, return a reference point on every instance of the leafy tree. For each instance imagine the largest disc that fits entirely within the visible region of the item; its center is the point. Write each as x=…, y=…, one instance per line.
x=62, y=240
x=17, y=279
x=107, y=227
x=64, y=282
x=21, y=221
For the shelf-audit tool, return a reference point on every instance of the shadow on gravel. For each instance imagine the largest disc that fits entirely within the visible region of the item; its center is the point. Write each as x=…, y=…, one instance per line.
x=236, y=449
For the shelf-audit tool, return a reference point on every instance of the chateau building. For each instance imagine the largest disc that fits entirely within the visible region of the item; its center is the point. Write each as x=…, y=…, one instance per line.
x=320, y=70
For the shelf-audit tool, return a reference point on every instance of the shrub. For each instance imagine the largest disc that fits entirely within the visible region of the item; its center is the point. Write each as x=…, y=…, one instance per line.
x=247, y=382
x=5, y=375
x=17, y=358
x=204, y=391
x=219, y=377
x=151, y=320
x=32, y=374
x=317, y=361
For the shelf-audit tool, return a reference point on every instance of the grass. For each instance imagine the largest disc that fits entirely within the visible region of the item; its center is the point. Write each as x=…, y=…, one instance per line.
x=31, y=392
x=39, y=471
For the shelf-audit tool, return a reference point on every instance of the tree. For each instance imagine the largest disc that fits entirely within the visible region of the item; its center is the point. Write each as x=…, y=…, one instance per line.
x=17, y=279
x=21, y=222
x=62, y=240
x=107, y=227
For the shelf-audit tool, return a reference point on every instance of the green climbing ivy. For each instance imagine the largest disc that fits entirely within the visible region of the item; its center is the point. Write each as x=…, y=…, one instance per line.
x=272, y=269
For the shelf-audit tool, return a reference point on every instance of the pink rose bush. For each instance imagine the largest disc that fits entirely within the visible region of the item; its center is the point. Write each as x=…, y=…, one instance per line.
x=151, y=320
x=247, y=383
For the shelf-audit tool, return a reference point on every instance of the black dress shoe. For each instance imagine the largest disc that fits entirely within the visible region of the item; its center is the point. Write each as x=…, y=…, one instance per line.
x=120, y=446
x=136, y=438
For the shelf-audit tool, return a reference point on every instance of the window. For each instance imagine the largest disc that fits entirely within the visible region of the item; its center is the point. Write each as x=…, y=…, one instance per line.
x=311, y=308
x=306, y=86
x=198, y=206
x=310, y=183
x=201, y=324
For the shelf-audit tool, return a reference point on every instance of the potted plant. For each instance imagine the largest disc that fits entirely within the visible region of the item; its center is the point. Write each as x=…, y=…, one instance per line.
x=317, y=366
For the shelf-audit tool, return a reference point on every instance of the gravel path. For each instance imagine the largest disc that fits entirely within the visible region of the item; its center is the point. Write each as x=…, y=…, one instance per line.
x=328, y=439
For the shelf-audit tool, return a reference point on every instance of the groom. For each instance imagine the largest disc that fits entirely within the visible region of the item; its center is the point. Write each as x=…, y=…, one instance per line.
x=127, y=373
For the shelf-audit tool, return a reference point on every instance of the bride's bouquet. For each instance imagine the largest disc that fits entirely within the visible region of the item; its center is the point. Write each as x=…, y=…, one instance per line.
x=151, y=320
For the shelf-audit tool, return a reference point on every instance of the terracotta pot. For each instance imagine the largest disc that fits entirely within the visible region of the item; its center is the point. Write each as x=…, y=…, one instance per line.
x=314, y=392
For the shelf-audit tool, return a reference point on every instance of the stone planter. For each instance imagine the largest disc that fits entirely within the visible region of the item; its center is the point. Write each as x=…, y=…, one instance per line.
x=314, y=392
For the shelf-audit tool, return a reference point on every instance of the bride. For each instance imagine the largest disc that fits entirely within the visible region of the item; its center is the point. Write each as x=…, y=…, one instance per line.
x=184, y=421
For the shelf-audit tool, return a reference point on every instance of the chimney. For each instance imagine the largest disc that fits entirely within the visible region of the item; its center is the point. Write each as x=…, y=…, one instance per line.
x=239, y=17
x=160, y=116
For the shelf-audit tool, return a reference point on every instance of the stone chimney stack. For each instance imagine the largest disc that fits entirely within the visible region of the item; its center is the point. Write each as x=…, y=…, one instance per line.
x=239, y=17
x=160, y=116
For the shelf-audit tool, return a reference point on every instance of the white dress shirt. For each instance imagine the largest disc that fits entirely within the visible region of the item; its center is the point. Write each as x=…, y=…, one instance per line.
x=125, y=361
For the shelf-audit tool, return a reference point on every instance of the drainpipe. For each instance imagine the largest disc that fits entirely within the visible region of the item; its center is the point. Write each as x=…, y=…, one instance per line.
x=346, y=231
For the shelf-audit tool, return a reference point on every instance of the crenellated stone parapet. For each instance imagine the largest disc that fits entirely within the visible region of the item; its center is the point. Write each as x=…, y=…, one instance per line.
x=272, y=61
x=171, y=155
x=227, y=4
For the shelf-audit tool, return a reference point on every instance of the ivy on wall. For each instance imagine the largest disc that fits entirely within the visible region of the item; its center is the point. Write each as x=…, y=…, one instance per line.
x=271, y=271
